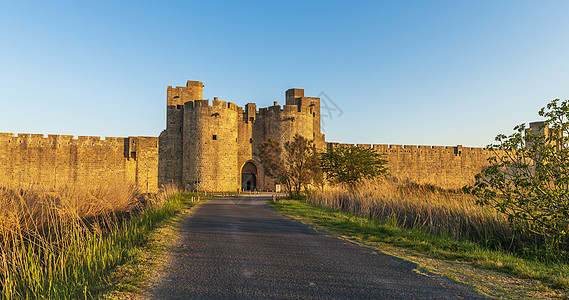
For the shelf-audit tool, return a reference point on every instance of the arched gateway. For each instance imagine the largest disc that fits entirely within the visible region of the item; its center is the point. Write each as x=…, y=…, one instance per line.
x=249, y=177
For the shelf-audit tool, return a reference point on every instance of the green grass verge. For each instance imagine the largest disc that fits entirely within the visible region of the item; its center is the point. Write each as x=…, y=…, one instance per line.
x=546, y=279
x=129, y=280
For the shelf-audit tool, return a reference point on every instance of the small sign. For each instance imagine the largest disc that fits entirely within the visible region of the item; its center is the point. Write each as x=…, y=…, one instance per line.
x=278, y=188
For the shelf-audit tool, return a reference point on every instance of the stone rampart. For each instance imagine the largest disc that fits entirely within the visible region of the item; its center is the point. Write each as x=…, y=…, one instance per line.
x=59, y=160
x=449, y=167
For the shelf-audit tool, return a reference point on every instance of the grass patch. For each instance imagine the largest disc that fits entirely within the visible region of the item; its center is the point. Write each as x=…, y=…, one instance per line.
x=127, y=280
x=460, y=260
x=65, y=244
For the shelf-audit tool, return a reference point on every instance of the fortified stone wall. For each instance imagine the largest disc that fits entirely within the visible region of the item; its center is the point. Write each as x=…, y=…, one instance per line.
x=206, y=146
x=309, y=107
x=245, y=133
x=211, y=142
x=171, y=139
x=249, y=137
x=171, y=148
x=281, y=124
x=179, y=95
x=447, y=167
x=59, y=160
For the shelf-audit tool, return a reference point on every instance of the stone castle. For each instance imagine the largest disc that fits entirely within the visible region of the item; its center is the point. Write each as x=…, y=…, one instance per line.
x=211, y=147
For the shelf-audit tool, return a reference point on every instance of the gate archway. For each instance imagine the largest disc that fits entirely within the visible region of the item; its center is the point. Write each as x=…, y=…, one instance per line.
x=249, y=176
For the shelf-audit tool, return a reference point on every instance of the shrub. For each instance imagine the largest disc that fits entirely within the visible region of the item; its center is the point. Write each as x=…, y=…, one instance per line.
x=528, y=180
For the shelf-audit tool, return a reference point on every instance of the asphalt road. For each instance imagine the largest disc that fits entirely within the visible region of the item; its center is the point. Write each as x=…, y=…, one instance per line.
x=241, y=249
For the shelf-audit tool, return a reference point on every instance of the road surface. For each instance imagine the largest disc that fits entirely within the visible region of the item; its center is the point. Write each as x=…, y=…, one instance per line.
x=241, y=249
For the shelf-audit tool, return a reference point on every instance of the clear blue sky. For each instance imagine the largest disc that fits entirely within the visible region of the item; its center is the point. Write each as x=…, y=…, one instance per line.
x=402, y=72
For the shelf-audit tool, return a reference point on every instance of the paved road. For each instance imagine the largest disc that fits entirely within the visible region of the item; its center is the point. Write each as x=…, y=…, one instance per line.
x=241, y=249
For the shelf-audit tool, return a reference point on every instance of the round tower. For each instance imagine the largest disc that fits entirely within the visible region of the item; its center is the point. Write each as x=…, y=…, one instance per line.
x=210, y=146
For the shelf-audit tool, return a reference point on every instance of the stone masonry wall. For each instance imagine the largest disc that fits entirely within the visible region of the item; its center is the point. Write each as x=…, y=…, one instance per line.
x=210, y=146
x=59, y=160
x=446, y=167
x=171, y=148
x=187, y=152
x=244, y=136
x=276, y=124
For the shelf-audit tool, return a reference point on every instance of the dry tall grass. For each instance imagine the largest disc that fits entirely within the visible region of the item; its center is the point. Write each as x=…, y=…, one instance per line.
x=165, y=192
x=34, y=204
x=46, y=235
x=410, y=205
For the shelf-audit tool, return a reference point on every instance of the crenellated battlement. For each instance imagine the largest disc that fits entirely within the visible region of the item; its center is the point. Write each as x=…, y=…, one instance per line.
x=288, y=109
x=198, y=104
x=179, y=95
x=62, y=140
x=409, y=148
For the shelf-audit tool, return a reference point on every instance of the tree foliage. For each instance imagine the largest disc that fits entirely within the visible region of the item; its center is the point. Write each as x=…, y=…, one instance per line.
x=295, y=165
x=351, y=165
x=528, y=179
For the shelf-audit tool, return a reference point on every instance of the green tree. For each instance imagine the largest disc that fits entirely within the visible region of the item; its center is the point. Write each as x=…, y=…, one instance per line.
x=528, y=179
x=350, y=165
x=295, y=165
